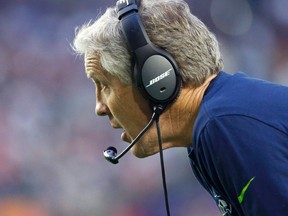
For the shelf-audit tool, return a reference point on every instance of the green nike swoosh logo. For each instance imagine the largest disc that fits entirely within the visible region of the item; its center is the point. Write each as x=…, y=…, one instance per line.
x=242, y=194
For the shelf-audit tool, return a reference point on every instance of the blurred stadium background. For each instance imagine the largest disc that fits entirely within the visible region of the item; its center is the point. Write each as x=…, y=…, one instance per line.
x=51, y=143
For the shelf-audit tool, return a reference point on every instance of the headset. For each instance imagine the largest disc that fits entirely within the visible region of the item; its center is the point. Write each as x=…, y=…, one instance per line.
x=155, y=72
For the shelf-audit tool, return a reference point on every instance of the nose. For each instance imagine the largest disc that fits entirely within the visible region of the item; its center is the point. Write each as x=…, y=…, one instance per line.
x=101, y=109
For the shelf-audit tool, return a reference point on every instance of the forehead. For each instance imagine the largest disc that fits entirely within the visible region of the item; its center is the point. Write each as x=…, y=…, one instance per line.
x=94, y=70
x=92, y=65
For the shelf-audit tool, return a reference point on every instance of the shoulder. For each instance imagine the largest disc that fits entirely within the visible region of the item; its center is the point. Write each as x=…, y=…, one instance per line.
x=238, y=96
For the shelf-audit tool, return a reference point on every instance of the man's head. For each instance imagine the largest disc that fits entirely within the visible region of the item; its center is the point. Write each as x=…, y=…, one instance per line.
x=171, y=27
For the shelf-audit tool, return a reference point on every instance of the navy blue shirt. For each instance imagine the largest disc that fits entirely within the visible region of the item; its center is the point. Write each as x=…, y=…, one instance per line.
x=240, y=145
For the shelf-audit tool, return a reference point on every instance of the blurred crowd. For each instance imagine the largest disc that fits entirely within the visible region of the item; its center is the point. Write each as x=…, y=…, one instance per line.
x=51, y=143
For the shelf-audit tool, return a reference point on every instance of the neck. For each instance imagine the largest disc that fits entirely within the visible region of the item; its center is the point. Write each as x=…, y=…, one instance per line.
x=178, y=121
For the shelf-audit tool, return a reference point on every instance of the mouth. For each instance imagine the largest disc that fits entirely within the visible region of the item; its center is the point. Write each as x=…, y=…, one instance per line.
x=125, y=137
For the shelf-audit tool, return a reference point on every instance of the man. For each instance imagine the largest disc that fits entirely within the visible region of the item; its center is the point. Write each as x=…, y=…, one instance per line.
x=234, y=127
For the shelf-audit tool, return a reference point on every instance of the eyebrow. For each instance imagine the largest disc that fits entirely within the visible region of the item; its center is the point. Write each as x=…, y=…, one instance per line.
x=96, y=77
x=89, y=75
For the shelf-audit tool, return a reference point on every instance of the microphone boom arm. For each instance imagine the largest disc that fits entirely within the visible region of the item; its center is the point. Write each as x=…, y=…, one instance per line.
x=110, y=153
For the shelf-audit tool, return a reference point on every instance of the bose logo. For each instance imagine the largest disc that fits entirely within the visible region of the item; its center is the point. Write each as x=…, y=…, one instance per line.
x=124, y=1
x=158, y=78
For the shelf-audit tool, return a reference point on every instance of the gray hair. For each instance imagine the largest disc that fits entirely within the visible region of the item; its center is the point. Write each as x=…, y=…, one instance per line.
x=169, y=25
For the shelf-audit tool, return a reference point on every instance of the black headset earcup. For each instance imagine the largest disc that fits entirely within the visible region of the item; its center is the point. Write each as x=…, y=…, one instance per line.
x=155, y=72
x=158, y=79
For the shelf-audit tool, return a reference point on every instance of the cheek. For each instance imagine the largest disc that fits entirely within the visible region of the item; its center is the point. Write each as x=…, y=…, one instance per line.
x=130, y=108
x=123, y=103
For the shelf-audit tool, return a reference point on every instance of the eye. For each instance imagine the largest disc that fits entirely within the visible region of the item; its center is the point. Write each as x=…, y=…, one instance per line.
x=103, y=86
x=100, y=85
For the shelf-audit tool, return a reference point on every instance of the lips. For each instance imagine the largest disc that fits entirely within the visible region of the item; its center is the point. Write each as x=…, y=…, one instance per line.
x=115, y=126
x=125, y=137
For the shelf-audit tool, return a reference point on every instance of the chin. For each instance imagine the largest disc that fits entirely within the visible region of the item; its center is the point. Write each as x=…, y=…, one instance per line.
x=141, y=152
